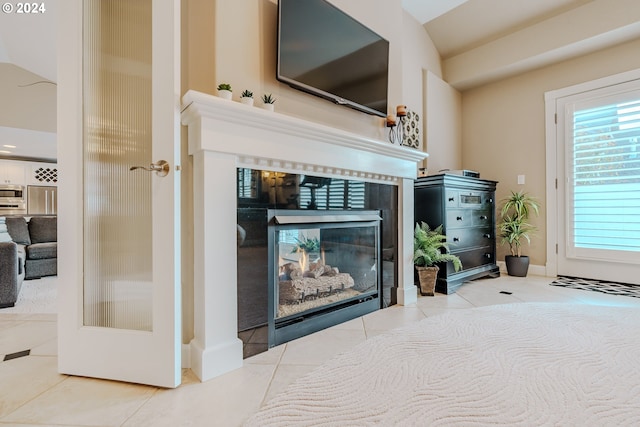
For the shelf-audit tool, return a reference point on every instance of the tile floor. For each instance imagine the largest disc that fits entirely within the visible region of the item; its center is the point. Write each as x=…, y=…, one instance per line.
x=32, y=393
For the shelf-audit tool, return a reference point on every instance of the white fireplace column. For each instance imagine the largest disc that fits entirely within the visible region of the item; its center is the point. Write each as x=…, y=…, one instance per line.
x=224, y=135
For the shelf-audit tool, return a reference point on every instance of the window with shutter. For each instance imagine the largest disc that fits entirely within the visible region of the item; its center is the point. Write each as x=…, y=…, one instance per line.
x=606, y=176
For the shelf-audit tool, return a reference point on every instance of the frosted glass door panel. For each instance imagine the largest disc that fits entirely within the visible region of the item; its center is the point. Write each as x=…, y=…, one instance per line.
x=117, y=85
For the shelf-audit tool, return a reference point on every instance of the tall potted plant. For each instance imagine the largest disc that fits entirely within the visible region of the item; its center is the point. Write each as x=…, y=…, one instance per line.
x=430, y=248
x=514, y=229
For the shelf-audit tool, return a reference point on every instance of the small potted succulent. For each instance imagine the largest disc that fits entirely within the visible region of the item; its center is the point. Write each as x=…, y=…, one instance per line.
x=246, y=97
x=268, y=101
x=224, y=90
x=430, y=248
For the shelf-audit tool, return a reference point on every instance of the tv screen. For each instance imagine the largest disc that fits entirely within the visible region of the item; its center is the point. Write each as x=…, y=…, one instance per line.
x=324, y=51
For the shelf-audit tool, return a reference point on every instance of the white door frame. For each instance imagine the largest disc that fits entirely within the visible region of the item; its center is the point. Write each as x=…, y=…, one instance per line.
x=551, y=136
x=142, y=357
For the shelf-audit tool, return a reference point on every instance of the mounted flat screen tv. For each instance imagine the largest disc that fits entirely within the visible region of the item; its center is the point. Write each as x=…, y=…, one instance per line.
x=325, y=52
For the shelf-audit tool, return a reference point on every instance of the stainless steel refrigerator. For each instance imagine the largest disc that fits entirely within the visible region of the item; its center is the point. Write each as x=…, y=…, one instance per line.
x=42, y=200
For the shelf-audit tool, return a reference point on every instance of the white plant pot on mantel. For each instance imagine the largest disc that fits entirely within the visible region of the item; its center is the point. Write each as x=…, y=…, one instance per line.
x=225, y=94
x=246, y=101
x=268, y=107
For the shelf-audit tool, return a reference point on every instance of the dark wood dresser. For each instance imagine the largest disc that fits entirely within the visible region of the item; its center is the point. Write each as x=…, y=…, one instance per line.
x=466, y=209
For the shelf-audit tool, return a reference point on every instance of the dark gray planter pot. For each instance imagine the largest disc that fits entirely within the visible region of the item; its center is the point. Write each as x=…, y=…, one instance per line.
x=517, y=265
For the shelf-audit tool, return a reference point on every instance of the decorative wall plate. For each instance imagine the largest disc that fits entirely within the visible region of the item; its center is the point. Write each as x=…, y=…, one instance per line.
x=411, y=124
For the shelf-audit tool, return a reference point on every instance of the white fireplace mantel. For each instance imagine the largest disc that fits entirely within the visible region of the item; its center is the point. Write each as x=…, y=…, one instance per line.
x=224, y=135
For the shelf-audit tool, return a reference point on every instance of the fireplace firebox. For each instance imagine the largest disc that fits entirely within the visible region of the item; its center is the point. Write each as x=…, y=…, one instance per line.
x=324, y=269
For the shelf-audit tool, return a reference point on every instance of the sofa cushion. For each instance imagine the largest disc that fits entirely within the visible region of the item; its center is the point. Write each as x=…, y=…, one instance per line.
x=43, y=229
x=42, y=250
x=18, y=230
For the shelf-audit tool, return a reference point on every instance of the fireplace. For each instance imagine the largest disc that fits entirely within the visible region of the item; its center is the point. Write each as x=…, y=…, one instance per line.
x=324, y=269
x=289, y=222
x=224, y=136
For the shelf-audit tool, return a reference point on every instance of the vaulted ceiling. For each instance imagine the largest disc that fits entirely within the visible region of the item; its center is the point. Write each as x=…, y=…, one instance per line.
x=484, y=40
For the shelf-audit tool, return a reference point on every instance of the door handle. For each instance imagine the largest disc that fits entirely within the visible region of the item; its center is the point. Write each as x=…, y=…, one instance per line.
x=161, y=168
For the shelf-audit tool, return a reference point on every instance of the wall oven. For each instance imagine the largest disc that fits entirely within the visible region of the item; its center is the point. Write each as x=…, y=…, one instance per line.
x=12, y=200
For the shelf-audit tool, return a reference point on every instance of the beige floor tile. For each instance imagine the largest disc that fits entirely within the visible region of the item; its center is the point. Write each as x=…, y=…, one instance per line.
x=443, y=301
x=23, y=379
x=285, y=375
x=354, y=325
x=46, y=317
x=224, y=401
x=319, y=347
x=269, y=357
x=85, y=402
x=26, y=335
x=13, y=316
x=392, y=318
x=49, y=348
x=6, y=323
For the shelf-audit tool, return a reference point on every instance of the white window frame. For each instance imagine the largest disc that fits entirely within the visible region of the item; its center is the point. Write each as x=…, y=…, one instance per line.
x=551, y=154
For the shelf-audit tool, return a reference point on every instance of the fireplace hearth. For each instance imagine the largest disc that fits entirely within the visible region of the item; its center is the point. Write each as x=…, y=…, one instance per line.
x=324, y=269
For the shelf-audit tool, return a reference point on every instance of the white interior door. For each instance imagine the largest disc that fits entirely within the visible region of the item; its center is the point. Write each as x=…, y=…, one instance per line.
x=118, y=94
x=598, y=169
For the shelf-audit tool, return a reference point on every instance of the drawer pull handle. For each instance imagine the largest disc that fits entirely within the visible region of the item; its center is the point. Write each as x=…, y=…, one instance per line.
x=456, y=239
x=487, y=236
x=487, y=255
x=459, y=218
x=451, y=199
x=483, y=217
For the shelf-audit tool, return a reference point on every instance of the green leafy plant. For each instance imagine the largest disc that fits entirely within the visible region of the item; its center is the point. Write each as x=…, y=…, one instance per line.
x=513, y=226
x=246, y=94
x=307, y=245
x=268, y=99
x=430, y=247
x=224, y=86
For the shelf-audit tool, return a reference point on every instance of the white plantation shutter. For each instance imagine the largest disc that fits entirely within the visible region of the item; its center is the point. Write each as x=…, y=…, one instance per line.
x=604, y=178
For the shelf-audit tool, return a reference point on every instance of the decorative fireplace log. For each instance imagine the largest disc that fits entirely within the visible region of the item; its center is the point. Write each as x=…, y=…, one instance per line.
x=293, y=291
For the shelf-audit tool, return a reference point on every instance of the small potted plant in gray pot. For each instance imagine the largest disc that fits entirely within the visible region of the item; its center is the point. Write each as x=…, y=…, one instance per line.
x=429, y=249
x=514, y=230
x=224, y=90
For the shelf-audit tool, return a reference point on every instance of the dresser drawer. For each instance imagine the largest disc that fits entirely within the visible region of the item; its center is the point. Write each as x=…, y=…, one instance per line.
x=451, y=198
x=459, y=218
x=481, y=218
x=473, y=258
x=459, y=239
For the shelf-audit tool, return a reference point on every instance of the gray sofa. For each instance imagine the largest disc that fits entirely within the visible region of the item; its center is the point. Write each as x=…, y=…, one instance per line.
x=28, y=250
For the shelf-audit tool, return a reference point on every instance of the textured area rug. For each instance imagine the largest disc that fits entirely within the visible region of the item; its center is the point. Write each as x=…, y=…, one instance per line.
x=36, y=296
x=613, y=288
x=529, y=364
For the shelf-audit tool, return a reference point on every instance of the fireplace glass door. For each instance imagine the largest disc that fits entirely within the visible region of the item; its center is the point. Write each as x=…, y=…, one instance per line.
x=325, y=269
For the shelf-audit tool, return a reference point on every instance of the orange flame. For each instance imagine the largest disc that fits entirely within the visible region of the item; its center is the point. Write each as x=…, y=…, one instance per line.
x=303, y=260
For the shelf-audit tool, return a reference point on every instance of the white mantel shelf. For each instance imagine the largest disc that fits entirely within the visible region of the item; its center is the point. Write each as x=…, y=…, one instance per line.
x=288, y=143
x=224, y=135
